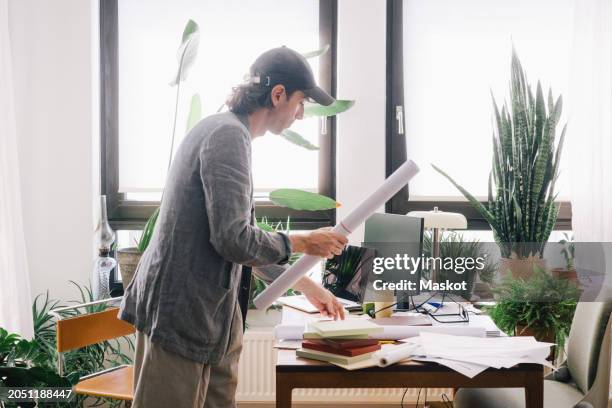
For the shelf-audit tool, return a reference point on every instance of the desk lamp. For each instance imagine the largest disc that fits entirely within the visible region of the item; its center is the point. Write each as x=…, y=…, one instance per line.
x=437, y=220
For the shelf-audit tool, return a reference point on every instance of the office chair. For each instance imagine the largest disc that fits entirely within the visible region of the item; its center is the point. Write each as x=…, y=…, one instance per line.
x=583, y=381
x=86, y=329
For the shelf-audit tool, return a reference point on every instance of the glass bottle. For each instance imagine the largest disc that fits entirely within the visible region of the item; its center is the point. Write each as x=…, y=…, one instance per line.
x=104, y=263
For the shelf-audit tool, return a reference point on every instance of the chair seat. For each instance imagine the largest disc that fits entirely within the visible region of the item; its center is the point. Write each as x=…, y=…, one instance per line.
x=116, y=384
x=556, y=394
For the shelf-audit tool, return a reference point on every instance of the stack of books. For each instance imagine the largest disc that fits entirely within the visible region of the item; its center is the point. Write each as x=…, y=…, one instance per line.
x=340, y=342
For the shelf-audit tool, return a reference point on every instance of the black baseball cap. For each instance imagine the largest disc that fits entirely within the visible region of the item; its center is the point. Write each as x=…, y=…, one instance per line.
x=287, y=67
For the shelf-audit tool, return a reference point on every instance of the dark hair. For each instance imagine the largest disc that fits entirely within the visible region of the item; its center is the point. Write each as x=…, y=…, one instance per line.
x=247, y=98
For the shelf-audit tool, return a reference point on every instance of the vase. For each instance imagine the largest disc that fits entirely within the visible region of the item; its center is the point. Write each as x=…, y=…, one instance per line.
x=520, y=267
x=128, y=261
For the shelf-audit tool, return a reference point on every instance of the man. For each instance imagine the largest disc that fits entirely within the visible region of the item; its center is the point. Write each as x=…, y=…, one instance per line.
x=189, y=296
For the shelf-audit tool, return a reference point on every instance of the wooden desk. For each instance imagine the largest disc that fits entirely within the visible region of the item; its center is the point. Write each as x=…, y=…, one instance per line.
x=294, y=372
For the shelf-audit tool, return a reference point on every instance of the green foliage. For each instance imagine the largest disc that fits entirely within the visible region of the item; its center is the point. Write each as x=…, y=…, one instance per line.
x=569, y=247
x=302, y=200
x=317, y=53
x=340, y=271
x=33, y=363
x=297, y=139
x=187, y=51
x=521, y=201
x=339, y=106
x=454, y=245
x=148, y=230
x=257, y=285
x=541, y=303
x=186, y=55
x=195, y=112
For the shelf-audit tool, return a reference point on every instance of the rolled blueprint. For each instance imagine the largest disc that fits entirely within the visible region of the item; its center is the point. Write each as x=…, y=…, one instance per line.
x=389, y=187
x=392, y=355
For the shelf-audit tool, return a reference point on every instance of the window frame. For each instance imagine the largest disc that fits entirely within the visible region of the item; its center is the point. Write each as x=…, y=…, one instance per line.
x=396, y=149
x=132, y=215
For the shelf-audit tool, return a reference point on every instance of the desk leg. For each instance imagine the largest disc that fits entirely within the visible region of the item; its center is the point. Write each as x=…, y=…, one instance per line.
x=283, y=393
x=534, y=391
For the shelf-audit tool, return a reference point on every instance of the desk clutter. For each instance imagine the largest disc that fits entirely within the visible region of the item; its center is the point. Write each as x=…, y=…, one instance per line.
x=360, y=342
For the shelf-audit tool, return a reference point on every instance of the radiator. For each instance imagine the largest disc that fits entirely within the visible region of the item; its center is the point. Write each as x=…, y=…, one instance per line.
x=256, y=379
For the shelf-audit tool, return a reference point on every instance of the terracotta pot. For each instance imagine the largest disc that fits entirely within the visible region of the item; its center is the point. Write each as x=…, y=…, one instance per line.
x=128, y=259
x=544, y=335
x=563, y=273
x=520, y=267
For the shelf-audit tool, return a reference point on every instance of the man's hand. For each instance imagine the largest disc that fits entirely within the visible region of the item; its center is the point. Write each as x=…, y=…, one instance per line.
x=327, y=304
x=322, y=242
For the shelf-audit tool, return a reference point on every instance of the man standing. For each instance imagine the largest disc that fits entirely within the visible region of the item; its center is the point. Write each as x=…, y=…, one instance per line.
x=189, y=296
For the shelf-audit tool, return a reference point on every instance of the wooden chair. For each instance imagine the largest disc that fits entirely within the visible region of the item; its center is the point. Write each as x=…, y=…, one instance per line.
x=91, y=328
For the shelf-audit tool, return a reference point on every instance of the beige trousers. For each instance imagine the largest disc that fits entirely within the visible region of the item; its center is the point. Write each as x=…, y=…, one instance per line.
x=164, y=379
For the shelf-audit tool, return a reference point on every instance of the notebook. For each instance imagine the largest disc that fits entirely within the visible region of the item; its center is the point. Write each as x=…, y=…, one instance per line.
x=348, y=327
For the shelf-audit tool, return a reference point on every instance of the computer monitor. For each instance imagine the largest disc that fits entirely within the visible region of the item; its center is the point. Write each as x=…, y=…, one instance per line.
x=391, y=235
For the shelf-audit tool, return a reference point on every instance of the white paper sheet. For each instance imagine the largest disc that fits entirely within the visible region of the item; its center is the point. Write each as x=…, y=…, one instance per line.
x=389, y=187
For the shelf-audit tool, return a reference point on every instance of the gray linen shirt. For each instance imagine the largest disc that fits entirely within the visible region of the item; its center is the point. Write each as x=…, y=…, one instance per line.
x=186, y=286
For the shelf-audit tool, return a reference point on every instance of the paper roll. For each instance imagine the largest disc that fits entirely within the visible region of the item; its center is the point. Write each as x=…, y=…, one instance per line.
x=393, y=355
x=388, y=188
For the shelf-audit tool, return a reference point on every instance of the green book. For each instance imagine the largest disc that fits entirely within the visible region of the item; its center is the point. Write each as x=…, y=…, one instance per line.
x=313, y=335
x=343, y=328
x=331, y=358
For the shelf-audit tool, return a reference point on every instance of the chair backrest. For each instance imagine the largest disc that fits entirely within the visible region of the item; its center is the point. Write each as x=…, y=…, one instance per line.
x=585, y=340
x=87, y=329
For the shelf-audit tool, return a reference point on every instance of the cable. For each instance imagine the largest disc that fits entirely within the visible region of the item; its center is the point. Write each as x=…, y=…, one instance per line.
x=447, y=401
x=403, y=395
x=417, y=401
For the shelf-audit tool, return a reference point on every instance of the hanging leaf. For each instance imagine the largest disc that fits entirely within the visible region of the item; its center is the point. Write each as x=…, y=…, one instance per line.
x=297, y=139
x=302, y=200
x=187, y=51
x=339, y=106
x=147, y=232
x=317, y=53
x=195, y=111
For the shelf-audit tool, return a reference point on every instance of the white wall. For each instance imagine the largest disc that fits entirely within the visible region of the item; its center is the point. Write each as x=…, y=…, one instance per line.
x=52, y=69
x=55, y=66
x=361, y=76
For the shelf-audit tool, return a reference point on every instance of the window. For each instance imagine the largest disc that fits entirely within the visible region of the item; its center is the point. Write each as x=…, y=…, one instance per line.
x=139, y=39
x=447, y=58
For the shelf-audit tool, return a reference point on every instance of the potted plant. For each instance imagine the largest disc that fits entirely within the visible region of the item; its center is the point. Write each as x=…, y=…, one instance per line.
x=453, y=245
x=541, y=306
x=521, y=201
x=569, y=272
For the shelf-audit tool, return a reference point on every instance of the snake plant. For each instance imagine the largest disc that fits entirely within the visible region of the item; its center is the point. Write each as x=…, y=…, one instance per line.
x=521, y=206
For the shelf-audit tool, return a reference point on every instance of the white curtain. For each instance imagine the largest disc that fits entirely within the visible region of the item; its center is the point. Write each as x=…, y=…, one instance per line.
x=15, y=298
x=590, y=128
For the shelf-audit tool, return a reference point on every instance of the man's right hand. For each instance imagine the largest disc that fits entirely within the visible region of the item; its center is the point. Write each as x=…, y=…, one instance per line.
x=322, y=242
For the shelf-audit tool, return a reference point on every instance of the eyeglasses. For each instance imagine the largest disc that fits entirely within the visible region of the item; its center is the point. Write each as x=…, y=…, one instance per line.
x=462, y=316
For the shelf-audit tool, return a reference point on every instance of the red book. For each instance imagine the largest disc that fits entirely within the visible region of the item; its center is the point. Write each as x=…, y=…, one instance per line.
x=350, y=352
x=347, y=344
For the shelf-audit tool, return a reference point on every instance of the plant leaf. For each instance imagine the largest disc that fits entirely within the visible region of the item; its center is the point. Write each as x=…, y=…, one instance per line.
x=339, y=106
x=297, y=139
x=147, y=232
x=195, y=111
x=316, y=53
x=187, y=51
x=302, y=200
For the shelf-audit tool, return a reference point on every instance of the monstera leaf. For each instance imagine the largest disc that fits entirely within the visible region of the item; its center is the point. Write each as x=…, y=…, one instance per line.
x=302, y=200
x=187, y=51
